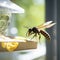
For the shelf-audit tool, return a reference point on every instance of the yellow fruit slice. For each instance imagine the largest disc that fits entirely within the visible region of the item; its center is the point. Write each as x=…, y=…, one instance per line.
x=3, y=44
x=11, y=46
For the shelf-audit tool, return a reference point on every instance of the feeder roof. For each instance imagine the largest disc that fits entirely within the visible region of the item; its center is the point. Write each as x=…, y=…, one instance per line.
x=13, y=8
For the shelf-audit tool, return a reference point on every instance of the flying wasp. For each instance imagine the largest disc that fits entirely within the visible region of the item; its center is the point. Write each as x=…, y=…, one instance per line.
x=39, y=30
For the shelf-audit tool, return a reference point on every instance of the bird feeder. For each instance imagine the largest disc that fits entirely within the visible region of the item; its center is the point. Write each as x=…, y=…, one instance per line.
x=6, y=9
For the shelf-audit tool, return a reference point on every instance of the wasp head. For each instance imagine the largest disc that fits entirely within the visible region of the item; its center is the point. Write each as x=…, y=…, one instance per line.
x=29, y=32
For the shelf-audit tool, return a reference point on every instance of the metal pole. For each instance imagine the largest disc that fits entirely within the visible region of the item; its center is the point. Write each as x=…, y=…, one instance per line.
x=51, y=47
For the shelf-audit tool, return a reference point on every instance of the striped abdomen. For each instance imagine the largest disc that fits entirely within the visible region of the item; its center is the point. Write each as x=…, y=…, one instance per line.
x=45, y=34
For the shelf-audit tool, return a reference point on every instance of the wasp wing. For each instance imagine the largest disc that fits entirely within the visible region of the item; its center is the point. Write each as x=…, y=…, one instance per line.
x=45, y=34
x=46, y=25
x=50, y=25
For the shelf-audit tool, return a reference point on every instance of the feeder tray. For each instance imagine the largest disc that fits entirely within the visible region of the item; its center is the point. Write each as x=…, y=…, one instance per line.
x=6, y=6
x=22, y=46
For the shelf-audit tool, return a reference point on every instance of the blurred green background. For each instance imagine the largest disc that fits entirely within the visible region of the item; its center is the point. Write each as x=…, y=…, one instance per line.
x=34, y=15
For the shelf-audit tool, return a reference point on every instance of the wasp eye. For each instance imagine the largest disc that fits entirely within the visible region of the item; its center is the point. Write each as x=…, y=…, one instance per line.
x=29, y=29
x=29, y=32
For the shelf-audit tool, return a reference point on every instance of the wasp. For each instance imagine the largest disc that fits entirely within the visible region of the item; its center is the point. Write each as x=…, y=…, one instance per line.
x=39, y=30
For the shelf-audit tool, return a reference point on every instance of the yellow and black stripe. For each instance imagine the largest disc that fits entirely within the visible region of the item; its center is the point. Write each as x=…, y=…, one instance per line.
x=45, y=34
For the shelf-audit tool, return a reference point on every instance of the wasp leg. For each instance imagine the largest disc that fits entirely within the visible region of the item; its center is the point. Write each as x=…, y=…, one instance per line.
x=34, y=35
x=27, y=33
x=39, y=36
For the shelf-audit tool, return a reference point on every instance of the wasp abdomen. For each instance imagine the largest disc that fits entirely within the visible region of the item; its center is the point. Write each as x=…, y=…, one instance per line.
x=44, y=33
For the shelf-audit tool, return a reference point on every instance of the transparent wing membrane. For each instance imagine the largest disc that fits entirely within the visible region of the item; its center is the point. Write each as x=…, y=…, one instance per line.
x=46, y=25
